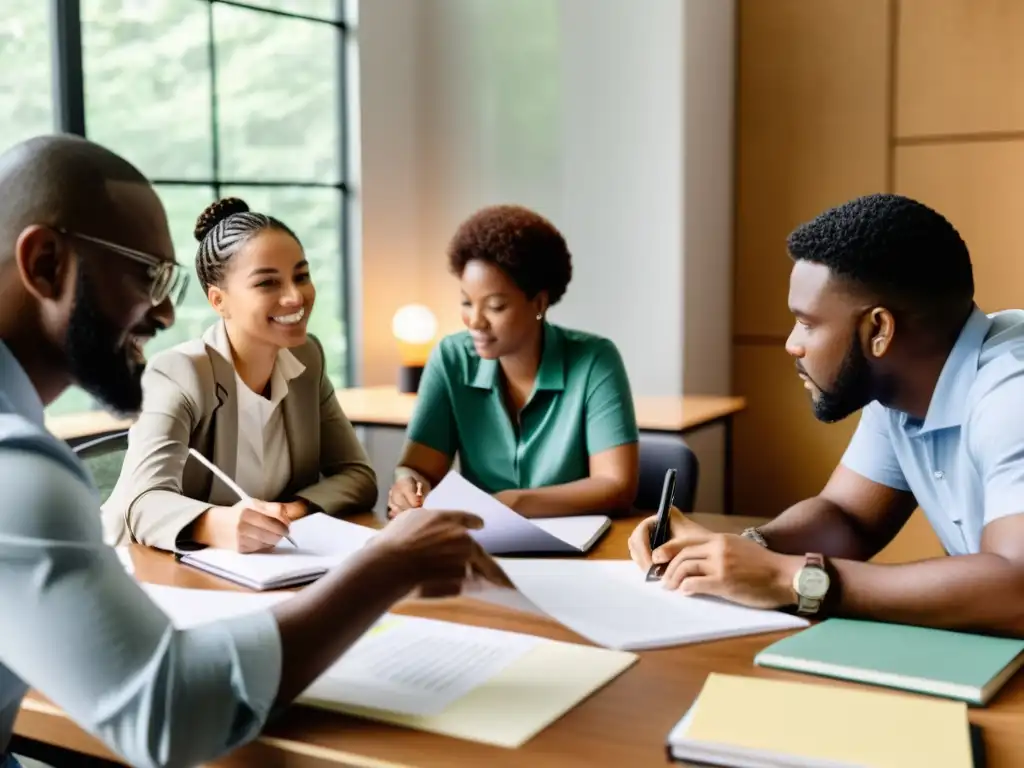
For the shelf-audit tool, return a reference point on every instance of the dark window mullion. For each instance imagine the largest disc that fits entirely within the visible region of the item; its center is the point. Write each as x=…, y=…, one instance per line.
x=339, y=22
x=345, y=243
x=66, y=53
x=214, y=116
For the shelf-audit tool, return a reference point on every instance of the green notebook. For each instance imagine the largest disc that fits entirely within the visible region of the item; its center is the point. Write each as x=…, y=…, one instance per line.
x=955, y=665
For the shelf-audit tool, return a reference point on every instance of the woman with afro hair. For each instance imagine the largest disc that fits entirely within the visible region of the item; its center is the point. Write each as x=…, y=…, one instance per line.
x=539, y=415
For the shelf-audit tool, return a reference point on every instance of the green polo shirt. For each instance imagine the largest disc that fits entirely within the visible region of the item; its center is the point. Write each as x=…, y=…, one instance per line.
x=581, y=405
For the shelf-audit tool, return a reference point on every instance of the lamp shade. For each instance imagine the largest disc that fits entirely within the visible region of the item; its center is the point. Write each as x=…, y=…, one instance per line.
x=414, y=324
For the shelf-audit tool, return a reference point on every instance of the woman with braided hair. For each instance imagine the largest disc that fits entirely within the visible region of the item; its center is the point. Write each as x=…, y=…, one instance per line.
x=252, y=396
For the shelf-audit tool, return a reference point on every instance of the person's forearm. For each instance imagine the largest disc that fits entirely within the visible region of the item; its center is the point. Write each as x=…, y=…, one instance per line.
x=818, y=525
x=353, y=489
x=325, y=618
x=982, y=593
x=580, y=497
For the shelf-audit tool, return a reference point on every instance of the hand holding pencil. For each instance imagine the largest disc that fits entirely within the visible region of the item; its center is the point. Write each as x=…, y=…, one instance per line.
x=406, y=493
x=250, y=525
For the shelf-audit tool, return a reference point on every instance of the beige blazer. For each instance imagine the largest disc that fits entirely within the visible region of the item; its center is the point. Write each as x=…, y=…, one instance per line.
x=189, y=401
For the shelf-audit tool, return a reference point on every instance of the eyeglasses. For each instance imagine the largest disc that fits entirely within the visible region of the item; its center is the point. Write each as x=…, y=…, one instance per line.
x=167, y=278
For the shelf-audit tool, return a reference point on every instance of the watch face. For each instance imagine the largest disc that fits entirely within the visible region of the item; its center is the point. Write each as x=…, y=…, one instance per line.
x=812, y=583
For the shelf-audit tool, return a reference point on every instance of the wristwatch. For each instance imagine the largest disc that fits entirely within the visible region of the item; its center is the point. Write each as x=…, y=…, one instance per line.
x=755, y=535
x=811, y=584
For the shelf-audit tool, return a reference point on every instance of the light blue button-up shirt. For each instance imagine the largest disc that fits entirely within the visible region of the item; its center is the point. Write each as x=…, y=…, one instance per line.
x=964, y=462
x=79, y=629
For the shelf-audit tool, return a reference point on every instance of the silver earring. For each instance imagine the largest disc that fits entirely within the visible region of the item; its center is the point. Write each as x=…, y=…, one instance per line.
x=540, y=316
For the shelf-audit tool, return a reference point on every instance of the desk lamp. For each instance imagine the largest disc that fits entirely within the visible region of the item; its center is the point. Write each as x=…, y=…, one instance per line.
x=414, y=327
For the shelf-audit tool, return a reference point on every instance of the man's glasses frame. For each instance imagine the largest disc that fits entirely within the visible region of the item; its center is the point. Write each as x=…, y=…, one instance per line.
x=167, y=278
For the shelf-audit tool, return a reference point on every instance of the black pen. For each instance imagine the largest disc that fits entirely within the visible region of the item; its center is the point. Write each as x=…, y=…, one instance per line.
x=659, y=535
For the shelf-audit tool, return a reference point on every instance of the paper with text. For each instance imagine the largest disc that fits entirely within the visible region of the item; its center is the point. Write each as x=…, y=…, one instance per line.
x=413, y=666
x=504, y=531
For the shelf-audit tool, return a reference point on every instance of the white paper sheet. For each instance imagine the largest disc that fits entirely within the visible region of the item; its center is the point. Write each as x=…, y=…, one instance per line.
x=413, y=666
x=403, y=664
x=322, y=542
x=504, y=531
x=125, y=556
x=192, y=607
x=609, y=603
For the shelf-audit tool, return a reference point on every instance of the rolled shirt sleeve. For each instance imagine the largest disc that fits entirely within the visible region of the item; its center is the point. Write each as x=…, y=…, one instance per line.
x=871, y=452
x=611, y=415
x=995, y=440
x=89, y=638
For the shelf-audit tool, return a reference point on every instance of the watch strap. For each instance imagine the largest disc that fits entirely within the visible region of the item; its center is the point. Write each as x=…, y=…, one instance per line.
x=809, y=605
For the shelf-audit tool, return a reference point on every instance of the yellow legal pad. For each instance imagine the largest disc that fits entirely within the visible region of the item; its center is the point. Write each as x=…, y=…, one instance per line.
x=736, y=719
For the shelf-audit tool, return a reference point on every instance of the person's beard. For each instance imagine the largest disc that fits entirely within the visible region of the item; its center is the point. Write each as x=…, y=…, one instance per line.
x=854, y=387
x=97, y=361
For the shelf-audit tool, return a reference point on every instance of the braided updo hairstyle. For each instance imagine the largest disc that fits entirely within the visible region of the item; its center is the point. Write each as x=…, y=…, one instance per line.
x=222, y=229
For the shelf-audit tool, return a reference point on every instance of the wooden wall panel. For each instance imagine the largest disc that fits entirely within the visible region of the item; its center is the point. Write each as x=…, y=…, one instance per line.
x=978, y=187
x=960, y=67
x=812, y=132
x=782, y=454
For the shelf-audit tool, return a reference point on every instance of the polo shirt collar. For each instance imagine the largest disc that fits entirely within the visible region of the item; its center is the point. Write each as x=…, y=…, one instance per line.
x=19, y=389
x=550, y=374
x=949, y=400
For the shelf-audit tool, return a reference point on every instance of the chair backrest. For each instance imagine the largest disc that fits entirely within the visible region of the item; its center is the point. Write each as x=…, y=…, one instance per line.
x=659, y=453
x=104, y=457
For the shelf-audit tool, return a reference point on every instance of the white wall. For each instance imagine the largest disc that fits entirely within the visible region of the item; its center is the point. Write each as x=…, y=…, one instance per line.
x=611, y=117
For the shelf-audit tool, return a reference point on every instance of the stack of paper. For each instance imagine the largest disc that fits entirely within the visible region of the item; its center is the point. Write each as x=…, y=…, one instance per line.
x=610, y=603
x=472, y=683
x=747, y=722
x=507, y=532
x=322, y=542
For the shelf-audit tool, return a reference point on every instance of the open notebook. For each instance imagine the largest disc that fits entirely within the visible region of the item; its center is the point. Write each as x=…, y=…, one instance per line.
x=506, y=532
x=322, y=542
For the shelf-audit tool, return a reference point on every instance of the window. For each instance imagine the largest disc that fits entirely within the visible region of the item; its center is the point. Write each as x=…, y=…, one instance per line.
x=209, y=98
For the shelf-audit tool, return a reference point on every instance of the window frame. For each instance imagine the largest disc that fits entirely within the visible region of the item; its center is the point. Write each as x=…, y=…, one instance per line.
x=68, y=94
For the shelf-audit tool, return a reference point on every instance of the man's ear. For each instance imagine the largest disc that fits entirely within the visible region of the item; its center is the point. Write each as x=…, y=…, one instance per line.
x=45, y=266
x=881, y=329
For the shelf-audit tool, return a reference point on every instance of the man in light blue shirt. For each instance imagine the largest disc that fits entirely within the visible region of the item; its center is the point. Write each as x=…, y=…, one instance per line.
x=883, y=293
x=87, y=274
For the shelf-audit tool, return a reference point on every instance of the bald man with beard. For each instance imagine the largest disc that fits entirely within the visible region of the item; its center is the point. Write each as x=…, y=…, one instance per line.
x=87, y=276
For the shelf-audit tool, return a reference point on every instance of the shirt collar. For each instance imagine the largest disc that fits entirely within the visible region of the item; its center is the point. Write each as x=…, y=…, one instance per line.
x=550, y=374
x=286, y=367
x=19, y=389
x=949, y=400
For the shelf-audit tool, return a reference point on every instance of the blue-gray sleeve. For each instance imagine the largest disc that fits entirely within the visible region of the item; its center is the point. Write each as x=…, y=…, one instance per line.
x=995, y=440
x=85, y=634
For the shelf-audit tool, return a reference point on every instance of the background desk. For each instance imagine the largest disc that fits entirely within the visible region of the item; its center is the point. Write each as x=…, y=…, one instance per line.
x=623, y=724
x=381, y=414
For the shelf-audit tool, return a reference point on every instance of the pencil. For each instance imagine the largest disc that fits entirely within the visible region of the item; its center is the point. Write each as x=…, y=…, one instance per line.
x=235, y=488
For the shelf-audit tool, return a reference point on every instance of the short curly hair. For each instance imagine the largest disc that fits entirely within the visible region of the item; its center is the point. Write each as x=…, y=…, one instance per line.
x=521, y=242
x=897, y=249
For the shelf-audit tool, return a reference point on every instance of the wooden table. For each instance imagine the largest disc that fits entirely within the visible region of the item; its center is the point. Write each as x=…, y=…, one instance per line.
x=385, y=408
x=623, y=724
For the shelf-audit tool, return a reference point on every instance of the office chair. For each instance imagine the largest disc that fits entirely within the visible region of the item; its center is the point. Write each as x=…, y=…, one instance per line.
x=104, y=457
x=660, y=452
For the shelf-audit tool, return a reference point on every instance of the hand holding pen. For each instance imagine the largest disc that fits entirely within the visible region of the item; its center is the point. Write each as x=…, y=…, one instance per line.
x=406, y=493
x=248, y=526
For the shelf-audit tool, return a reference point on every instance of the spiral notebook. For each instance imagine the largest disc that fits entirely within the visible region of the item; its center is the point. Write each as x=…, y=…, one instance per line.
x=322, y=543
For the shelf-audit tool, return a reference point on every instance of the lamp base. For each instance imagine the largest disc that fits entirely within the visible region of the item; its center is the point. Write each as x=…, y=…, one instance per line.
x=409, y=378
